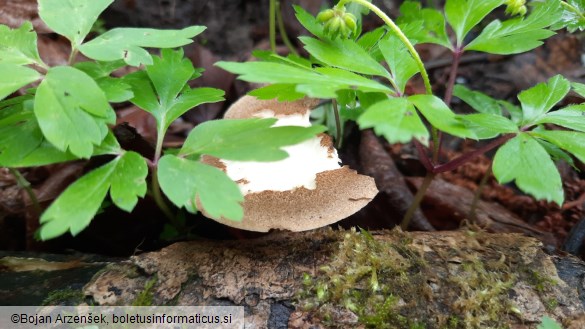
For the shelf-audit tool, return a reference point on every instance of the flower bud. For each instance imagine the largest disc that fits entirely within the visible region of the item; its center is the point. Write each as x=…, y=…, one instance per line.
x=516, y=7
x=338, y=23
x=325, y=15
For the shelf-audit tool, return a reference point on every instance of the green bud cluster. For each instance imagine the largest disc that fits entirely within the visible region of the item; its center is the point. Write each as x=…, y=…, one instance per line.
x=516, y=7
x=338, y=22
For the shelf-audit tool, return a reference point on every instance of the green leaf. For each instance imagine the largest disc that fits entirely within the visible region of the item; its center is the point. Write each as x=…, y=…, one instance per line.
x=72, y=111
x=572, y=117
x=245, y=139
x=423, y=25
x=318, y=83
x=524, y=160
x=72, y=18
x=573, y=17
x=78, y=204
x=579, y=88
x=189, y=99
x=539, y=99
x=570, y=141
x=169, y=74
x=115, y=89
x=184, y=181
x=441, y=116
x=14, y=77
x=282, y=91
x=556, y=153
x=309, y=22
x=143, y=90
x=129, y=43
x=129, y=181
x=463, y=15
x=19, y=46
x=344, y=54
x=99, y=70
x=487, y=125
x=400, y=62
x=396, y=120
x=163, y=89
x=478, y=101
x=519, y=34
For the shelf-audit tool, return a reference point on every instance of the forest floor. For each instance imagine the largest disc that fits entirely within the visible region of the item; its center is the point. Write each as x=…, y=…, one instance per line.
x=116, y=233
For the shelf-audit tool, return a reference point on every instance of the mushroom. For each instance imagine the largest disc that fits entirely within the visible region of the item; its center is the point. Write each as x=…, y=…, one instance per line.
x=307, y=190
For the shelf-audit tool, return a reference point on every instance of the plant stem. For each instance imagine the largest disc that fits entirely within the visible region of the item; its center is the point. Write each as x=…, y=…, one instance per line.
x=272, y=24
x=22, y=182
x=477, y=194
x=72, y=56
x=282, y=30
x=400, y=35
x=156, y=191
x=337, y=124
x=417, y=200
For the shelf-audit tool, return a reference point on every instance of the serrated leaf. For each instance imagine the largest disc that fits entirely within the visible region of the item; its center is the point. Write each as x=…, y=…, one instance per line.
x=573, y=17
x=245, y=139
x=309, y=22
x=169, y=74
x=556, y=153
x=14, y=77
x=423, y=25
x=396, y=120
x=115, y=89
x=281, y=91
x=192, y=98
x=579, y=88
x=440, y=115
x=72, y=18
x=144, y=94
x=344, y=54
x=72, y=111
x=184, y=181
x=370, y=39
x=99, y=70
x=74, y=209
x=129, y=181
x=539, y=99
x=487, y=125
x=318, y=83
x=463, y=15
x=523, y=160
x=570, y=141
x=129, y=43
x=400, y=62
x=19, y=46
x=519, y=34
x=478, y=101
x=572, y=117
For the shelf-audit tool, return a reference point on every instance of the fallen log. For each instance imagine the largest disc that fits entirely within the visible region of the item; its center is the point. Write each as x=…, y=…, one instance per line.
x=348, y=279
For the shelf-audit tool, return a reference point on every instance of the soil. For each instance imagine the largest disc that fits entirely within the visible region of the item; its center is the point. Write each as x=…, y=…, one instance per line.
x=116, y=233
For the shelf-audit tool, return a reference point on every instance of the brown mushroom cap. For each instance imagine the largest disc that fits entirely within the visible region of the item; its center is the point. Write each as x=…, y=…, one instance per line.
x=339, y=192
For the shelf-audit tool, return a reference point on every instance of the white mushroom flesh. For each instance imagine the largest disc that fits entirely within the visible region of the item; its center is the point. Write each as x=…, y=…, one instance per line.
x=299, y=169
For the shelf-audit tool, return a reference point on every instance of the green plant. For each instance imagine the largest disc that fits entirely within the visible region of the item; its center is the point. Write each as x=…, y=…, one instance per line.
x=67, y=115
x=348, y=68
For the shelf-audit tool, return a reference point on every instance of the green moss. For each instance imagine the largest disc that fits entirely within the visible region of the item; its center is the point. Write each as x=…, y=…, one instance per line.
x=64, y=297
x=389, y=284
x=145, y=297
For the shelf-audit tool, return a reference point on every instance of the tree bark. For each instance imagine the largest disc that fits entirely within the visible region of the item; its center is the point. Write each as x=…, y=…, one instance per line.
x=461, y=279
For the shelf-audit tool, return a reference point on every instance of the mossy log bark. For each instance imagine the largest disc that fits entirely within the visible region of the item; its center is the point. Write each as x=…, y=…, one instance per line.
x=346, y=279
